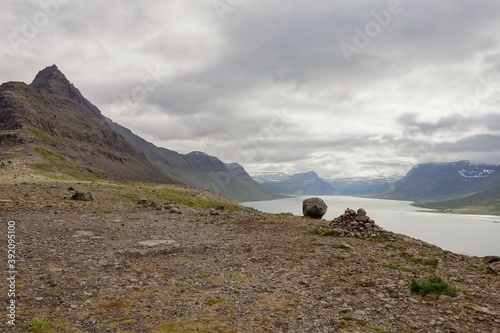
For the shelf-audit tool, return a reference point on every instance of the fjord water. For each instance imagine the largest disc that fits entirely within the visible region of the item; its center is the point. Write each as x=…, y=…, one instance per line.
x=474, y=235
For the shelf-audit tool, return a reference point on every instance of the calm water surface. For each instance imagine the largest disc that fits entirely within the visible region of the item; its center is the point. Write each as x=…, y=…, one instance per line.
x=475, y=235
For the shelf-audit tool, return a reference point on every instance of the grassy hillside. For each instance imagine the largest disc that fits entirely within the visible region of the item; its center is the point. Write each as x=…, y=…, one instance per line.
x=485, y=203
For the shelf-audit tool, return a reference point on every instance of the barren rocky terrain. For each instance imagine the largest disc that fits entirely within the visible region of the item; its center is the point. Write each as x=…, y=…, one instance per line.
x=152, y=258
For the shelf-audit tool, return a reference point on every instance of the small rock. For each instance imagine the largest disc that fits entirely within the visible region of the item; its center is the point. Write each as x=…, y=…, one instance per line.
x=495, y=266
x=155, y=242
x=84, y=234
x=175, y=210
x=142, y=201
x=484, y=310
x=490, y=259
x=361, y=212
x=83, y=196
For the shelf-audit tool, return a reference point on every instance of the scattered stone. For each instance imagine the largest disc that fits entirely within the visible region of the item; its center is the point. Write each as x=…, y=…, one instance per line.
x=143, y=201
x=484, y=310
x=491, y=259
x=495, y=266
x=83, y=196
x=155, y=242
x=314, y=207
x=175, y=210
x=71, y=188
x=84, y=234
x=219, y=207
x=352, y=224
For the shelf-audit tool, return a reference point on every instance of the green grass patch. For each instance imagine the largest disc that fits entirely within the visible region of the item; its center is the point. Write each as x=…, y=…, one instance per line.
x=433, y=285
x=430, y=262
x=60, y=167
x=339, y=246
x=319, y=230
x=490, y=270
x=373, y=239
x=216, y=300
x=37, y=325
x=415, y=260
x=44, y=136
x=190, y=326
x=167, y=194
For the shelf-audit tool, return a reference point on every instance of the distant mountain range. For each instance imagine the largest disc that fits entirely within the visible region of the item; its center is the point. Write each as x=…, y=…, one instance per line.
x=437, y=181
x=52, y=128
x=361, y=186
x=458, y=186
x=299, y=184
x=454, y=186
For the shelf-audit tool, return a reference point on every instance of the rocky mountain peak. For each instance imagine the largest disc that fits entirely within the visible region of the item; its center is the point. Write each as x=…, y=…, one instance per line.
x=51, y=82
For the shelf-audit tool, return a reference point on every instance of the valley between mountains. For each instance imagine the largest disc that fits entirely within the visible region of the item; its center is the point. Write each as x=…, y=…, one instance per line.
x=157, y=250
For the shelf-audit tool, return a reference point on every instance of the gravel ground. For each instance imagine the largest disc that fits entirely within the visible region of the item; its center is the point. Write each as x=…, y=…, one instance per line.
x=113, y=265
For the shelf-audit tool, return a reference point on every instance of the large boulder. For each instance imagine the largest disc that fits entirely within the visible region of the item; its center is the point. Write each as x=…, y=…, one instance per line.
x=314, y=207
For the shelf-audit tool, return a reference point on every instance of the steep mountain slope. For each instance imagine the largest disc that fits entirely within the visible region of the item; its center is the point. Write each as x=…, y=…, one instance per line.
x=49, y=126
x=299, y=184
x=440, y=181
x=62, y=133
x=199, y=170
x=485, y=201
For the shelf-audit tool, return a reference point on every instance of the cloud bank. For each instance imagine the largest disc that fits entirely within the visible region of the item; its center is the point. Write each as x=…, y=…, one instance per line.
x=366, y=88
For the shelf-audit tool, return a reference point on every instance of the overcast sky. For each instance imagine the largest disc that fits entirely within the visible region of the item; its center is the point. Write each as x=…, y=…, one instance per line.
x=345, y=88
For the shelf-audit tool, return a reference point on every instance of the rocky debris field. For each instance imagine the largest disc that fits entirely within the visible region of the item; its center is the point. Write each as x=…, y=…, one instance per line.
x=142, y=258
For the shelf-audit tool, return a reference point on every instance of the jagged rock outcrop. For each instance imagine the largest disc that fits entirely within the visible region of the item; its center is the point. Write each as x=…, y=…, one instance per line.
x=66, y=133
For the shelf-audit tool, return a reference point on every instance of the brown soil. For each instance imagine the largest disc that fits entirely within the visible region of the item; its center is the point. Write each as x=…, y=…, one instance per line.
x=95, y=267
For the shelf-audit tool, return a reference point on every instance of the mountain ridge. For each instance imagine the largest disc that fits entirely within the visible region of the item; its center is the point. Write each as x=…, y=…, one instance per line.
x=307, y=183
x=58, y=132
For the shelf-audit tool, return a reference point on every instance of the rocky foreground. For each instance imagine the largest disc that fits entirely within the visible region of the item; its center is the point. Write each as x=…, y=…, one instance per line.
x=157, y=259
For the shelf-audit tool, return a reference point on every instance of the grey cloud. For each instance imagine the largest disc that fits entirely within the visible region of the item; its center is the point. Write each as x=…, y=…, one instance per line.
x=224, y=80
